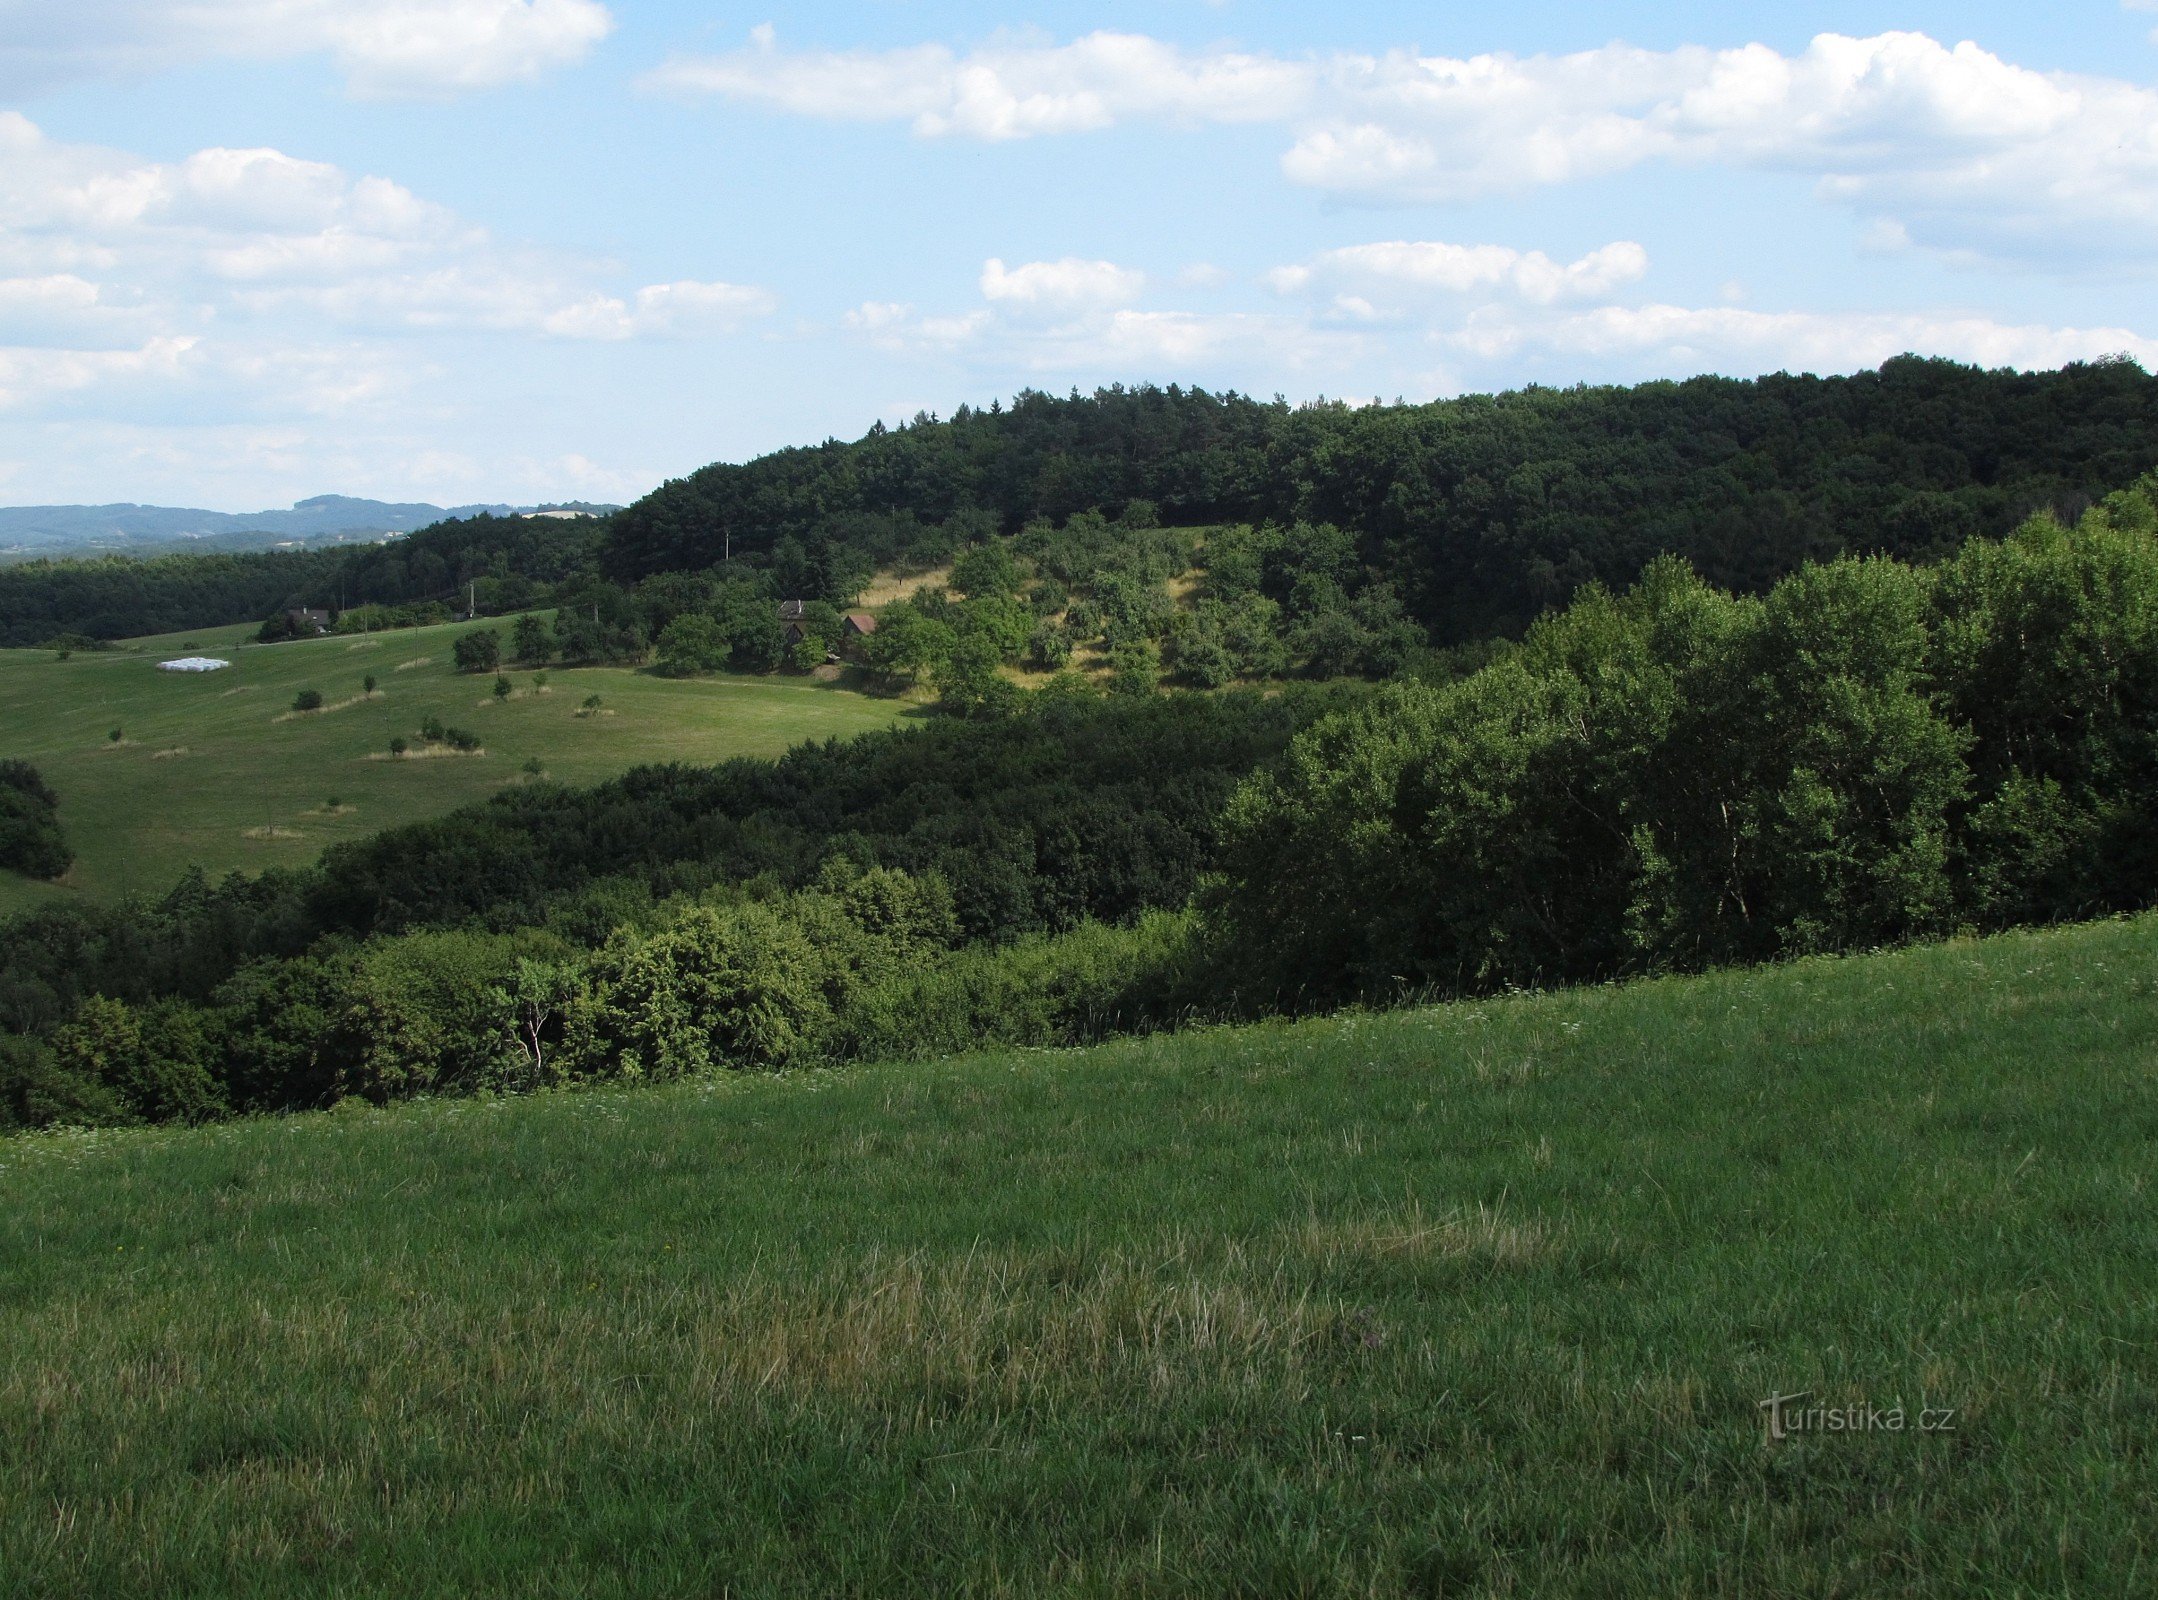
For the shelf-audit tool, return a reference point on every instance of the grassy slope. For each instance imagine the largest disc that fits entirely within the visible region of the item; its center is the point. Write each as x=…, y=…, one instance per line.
x=249, y=792
x=1472, y=1300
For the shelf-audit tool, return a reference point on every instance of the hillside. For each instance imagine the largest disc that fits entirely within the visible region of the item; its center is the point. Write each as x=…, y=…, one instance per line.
x=1479, y=1300
x=216, y=771
x=1480, y=511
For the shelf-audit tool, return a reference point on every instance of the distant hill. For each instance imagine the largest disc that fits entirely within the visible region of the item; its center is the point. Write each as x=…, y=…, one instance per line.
x=28, y=531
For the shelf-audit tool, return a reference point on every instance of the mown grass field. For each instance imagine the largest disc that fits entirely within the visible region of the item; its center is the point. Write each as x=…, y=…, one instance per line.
x=215, y=769
x=1471, y=1301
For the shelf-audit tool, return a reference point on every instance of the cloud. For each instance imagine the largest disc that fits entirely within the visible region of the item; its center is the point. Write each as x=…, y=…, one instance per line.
x=383, y=47
x=1063, y=284
x=893, y=327
x=28, y=374
x=1461, y=269
x=661, y=309
x=1004, y=90
x=256, y=272
x=1964, y=150
x=1657, y=340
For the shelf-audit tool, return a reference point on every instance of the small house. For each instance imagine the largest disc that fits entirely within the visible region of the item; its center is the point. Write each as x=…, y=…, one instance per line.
x=792, y=611
x=306, y=620
x=854, y=627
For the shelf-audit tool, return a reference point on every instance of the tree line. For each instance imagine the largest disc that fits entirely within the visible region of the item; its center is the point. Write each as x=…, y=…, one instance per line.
x=1678, y=777
x=505, y=562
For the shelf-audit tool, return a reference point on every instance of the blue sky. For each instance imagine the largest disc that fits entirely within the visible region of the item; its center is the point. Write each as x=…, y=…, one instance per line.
x=537, y=249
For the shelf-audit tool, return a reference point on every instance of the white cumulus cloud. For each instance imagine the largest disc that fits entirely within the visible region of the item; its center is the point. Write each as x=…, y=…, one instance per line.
x=1465, y=268
x=266, y=272
x=1003, y=90
x=1964, y=150
x=1064, y=284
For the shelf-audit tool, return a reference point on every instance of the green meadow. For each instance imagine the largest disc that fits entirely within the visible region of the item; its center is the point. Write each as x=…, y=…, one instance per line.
x=217, y=769
x=1477, y=1300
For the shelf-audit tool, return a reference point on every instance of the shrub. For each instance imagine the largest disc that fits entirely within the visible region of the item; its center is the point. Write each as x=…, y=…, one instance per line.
x=398, y=746
x=156, y=1062
x=692, y=643
x=502, y=688
x=478, y=651
x=531, y=640
x=1040, y=991
x=431, y=729
x=307, y=700
x=367, y=684
x=37, y=1092
x=461, y=739
x=720, y=987
x=31, y=841
x=428, y=1013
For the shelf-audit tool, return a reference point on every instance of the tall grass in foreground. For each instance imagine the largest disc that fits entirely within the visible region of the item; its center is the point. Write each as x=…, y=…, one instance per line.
x=1476, y=1300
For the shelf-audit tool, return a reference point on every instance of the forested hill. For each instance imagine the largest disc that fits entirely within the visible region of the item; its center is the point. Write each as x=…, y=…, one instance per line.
x=1478, y=513
x=1483, y=510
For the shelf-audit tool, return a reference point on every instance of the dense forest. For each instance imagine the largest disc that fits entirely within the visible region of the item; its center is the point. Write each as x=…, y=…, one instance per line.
x=1473, y=515
x=1666, y=777
x=119, y=597
x=1482, y=511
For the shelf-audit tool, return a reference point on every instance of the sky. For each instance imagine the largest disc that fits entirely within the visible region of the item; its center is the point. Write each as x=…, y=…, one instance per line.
x=529, y=250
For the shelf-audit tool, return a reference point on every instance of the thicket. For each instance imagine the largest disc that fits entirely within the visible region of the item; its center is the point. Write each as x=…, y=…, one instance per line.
x=31, y=840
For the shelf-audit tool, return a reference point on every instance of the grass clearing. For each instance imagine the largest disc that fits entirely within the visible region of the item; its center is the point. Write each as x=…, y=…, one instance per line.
x=138, y=815
x=1479, y=1300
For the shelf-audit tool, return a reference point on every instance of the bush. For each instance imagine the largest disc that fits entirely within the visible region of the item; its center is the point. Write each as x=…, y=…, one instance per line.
x=478, y=651
x=692, y=644
x=1038, y=992
x=156, y=1062
x=733, y=987
x=531, y=640
x=307, y=700
x=31, y=840
x=398, y=746
x=461, y=739
x=36, y=1092
x=431, y=729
